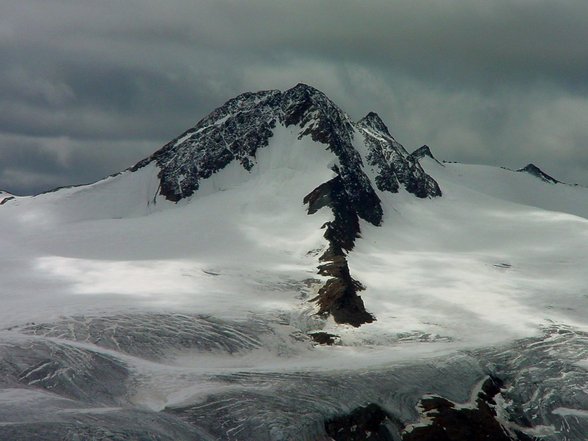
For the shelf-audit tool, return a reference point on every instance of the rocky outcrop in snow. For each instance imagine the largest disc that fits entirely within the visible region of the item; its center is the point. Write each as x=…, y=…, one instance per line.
x=392, y=163
x=5, y=197
x=424, y=152
x=532, y=169
x=339, y=295
x=444, y=420
x=369, y=423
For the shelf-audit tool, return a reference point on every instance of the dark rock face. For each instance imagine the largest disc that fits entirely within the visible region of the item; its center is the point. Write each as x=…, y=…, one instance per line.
x=338, y=296
x=369, y=423
x=324, y=122
x=450, y=423
x=392, y=163
x=532, y=169
x=422, y=152
x=344, y=229
x=232, y=132
x=323, y=338
x=443, y=420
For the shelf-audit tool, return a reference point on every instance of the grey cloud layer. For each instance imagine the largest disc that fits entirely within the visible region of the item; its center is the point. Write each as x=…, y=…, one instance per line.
x=499, y=82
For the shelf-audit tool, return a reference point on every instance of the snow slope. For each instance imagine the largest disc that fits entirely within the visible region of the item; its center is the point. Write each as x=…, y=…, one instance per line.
x=490, y=260
x=88, y=249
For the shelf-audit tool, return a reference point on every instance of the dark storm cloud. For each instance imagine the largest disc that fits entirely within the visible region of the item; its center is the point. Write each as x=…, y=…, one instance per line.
x=40, y=163
x=88, y=88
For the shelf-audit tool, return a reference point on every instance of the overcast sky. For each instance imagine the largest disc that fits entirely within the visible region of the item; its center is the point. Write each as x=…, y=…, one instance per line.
x=88, y=88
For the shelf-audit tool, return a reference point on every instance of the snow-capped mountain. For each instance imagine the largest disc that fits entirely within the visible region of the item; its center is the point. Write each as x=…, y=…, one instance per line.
x=281, y=272
x=245, y=124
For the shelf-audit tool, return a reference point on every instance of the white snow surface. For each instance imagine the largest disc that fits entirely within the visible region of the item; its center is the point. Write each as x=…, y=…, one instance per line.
x=500, y=254
x=108, y=247
x=494, y=259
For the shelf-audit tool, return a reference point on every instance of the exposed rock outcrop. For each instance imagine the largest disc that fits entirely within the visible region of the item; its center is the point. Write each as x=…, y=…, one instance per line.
x=338, y=296
x=424, y=152
x=443, y=420
x=369, y=423
x=323, y=338
x=391, y=163
x=532, y=169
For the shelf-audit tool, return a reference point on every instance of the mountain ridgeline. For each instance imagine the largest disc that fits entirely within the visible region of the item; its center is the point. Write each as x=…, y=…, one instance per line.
x=241, y=127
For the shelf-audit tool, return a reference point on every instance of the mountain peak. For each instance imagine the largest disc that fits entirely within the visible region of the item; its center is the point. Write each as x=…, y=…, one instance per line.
x=423, y=151
x=243, y=125
x=303, y=87
x=372, y=120
x=532, y=169
x=302, y=93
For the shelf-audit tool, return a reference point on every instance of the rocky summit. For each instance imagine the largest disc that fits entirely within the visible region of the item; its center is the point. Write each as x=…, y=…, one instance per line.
x=243, y=125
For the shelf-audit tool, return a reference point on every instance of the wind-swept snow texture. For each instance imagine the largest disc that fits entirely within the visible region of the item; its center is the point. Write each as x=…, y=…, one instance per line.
x=173, y=301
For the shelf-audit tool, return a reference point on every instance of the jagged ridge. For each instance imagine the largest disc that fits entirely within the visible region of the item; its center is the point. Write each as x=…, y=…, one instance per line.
x=236, y=130
x=392, y=163
x=532, y=169
x=424, y=152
